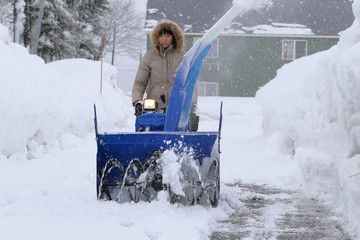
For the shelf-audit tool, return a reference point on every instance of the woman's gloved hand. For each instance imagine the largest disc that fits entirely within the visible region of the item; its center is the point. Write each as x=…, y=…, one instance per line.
x=138, y=108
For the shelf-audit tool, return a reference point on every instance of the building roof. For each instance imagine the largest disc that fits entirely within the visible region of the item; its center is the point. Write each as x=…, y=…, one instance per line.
x=302, y=17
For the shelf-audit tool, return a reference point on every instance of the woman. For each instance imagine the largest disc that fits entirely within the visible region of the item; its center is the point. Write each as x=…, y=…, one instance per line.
x=158, y=67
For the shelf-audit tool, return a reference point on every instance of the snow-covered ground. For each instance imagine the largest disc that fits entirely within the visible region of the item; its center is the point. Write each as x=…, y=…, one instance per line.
x=300, y=132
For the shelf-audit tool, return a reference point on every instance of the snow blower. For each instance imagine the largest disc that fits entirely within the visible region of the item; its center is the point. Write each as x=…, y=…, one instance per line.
x=134, y=166
x=162, y=156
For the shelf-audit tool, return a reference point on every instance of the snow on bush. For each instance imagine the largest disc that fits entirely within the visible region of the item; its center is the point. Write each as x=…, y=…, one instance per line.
x=315, y=103
x=4, y=34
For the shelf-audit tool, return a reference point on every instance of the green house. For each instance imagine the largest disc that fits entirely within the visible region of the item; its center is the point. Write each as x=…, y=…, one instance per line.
x=255, y=45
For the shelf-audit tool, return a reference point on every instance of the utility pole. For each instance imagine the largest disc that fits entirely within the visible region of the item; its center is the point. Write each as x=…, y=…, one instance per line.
x=37, y=33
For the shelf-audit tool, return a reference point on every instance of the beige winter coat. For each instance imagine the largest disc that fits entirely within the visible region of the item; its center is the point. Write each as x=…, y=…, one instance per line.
x=158, y=66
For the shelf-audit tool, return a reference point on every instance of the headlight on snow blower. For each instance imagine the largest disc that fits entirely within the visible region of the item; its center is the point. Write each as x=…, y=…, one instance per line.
x=149, y=104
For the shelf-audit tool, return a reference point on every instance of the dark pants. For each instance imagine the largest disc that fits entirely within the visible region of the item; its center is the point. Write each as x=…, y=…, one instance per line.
x=193, y=123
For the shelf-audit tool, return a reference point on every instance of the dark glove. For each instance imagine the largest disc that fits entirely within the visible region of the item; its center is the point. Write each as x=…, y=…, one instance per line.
x=138, y=109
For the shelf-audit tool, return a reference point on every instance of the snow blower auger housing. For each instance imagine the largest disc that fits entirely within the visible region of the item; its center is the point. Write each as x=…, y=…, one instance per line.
x=137, y=166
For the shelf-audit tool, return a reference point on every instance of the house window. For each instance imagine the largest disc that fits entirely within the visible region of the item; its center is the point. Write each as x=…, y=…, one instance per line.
x=292, y=49
x=208, y=88
x=214, y=50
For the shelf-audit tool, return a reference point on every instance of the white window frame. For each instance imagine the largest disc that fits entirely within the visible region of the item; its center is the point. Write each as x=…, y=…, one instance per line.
x=292, y=50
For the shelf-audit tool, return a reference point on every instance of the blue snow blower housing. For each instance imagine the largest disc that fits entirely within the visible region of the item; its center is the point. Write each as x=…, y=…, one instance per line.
x=130, y=165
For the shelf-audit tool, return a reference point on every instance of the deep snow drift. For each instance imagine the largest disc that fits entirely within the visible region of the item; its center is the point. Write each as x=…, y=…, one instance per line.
x=313, y=106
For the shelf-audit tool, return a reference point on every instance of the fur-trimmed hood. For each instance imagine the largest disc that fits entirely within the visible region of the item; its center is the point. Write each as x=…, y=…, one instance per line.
x=174, y=28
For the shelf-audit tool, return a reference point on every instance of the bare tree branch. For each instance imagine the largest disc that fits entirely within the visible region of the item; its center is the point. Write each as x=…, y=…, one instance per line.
x=127, y=23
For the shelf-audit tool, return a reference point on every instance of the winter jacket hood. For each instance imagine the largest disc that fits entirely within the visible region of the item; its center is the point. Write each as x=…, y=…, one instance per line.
x=174, y=28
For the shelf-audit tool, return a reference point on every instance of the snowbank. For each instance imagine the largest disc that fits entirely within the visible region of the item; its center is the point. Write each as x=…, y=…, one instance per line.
x=314, y=103
x=41, y=104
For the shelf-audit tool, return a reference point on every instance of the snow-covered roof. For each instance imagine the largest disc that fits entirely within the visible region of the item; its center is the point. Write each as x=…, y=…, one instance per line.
x=282, y=17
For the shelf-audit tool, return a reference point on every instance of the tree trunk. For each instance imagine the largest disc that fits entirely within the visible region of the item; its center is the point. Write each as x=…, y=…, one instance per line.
x=27, y=24
x=15, y=19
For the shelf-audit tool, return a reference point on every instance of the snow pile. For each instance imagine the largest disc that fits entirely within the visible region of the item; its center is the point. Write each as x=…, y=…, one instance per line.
x=313, y=103
x=34, y=117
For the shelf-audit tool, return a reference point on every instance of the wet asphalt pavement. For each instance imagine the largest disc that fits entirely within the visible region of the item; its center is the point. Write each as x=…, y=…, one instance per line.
x=270, y=213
